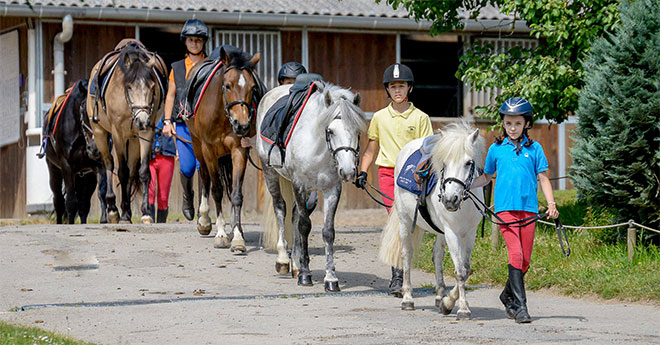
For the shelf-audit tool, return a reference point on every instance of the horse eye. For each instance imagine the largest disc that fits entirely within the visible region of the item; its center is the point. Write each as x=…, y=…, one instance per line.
x=330, y=132
x=228, y=87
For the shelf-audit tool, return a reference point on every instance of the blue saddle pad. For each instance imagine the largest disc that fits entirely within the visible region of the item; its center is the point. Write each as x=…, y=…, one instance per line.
x=406, y=179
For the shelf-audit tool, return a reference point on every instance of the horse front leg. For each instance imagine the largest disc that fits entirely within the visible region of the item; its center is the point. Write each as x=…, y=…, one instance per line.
x=238, y=161
x=85, y=185
x=102, y=190
x=438, y=257
x=330, y=199
x=125, y=181
x=272, y=178
x=303, y=226
x=221, y=238
x=56, y=188
x=460, y=254
x=204, y=221
x=146, y=138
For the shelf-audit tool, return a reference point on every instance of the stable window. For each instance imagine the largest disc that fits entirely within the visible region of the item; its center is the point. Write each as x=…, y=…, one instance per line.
x=265, y=42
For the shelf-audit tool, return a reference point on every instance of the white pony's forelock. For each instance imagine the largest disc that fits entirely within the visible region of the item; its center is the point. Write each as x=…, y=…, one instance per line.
x=455, y=143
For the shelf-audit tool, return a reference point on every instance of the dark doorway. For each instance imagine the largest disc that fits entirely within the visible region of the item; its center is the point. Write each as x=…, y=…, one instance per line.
x=165, y=42
x=434, y=62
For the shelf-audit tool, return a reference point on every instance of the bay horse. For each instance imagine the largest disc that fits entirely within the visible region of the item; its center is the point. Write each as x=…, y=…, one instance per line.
x=322, y=152
x=127, y=113
x=456, y=158
x=223, y=115
x=70, y=157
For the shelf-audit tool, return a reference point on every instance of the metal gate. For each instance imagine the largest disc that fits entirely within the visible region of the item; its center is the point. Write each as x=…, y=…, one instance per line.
x=474, y=98
x=267, y=43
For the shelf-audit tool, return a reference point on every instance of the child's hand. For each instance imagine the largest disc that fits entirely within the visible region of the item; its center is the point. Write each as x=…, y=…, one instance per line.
x=552, y=211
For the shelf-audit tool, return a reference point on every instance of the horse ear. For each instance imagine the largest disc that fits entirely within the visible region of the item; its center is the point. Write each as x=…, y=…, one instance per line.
x=224, y=56
x=357, y=99
x=152, y=62
x=328, y=99
x=474, y=136
x=255, y=58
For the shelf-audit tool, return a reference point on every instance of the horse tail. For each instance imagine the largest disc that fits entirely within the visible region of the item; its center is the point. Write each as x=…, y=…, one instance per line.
x=271, y=228
x=391, y=244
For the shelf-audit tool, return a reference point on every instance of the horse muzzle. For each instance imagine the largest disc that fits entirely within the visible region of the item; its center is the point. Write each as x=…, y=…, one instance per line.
x=451, y=202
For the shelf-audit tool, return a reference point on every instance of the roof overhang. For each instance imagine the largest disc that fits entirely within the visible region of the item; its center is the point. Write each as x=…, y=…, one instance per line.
x=251, y=18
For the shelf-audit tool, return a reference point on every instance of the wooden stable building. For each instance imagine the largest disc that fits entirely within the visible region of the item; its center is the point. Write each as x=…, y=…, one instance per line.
x=49, y=45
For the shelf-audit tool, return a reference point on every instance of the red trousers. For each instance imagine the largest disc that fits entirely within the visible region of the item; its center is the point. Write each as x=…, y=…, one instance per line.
x=519, y=241
x=161, y=168
x=386, y=185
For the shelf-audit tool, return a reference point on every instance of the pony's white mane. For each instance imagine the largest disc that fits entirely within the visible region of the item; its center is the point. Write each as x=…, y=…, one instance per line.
x=351, y=114
x=454, y=144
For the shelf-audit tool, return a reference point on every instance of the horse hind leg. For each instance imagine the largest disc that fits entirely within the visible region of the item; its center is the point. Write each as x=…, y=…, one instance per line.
x=85, y=188
x=407, y=253
x=56, y=188
x=204, y=221
x=102, y=189
x=125, y=183
x=221, y=238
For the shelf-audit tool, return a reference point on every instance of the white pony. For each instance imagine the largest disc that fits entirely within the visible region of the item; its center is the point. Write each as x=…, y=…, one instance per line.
x=457, y=154
x=321, y=153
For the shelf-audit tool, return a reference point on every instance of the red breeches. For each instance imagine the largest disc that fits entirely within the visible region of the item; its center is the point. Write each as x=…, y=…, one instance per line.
x=519, y=241
x=161, y=168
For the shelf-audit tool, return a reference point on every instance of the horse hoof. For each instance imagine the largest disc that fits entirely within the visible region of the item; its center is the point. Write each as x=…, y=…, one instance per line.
x=220, y=242
x=463, y=315
x=444, y=309
x=331, y=287
x=113, y=217
x=294, y=273
x=305, y=280
x=146, y=220
x=282, y=268
x=407, y=305
x=238, y=246
x=205, y=230
x=438, y=302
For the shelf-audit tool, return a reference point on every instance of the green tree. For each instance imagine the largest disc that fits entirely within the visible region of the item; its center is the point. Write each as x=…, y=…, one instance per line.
x=549, y=75
x=616, y=159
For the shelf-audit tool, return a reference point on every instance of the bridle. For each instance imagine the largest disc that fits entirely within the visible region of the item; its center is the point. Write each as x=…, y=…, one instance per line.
x=135, y=109
x=465, y=184
x=355, y=151
x=228, y=105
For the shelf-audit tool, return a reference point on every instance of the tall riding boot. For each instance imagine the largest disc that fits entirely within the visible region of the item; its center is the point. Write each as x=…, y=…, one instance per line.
x=188, y=207
x=506, y=298
x=396, y=283
x=519, y=297
x=152, y=211
x=162, y=216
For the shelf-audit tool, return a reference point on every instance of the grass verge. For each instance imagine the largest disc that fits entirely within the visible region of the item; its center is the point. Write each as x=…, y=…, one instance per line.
x=22, y=335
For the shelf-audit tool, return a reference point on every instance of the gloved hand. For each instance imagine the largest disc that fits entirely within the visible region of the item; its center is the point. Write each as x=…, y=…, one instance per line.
x=361, y=180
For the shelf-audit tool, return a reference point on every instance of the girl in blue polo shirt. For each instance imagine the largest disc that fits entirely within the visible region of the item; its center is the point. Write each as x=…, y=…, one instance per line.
x=518, y=161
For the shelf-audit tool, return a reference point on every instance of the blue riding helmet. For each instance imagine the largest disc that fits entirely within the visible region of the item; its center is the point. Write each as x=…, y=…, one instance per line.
x=290, y=70
x=517, y=106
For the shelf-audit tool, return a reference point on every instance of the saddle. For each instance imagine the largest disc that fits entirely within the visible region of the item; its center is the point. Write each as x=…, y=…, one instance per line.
x=108, y=63
x=282, y=117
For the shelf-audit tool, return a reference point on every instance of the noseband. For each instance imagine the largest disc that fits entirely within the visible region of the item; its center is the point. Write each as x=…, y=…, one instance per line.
x=355, y=151
x=465, y=184
x=228, y=105
x=136, y=109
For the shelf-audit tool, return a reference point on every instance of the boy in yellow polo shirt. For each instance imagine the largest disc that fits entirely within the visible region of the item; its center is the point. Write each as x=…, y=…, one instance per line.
x=390, y=130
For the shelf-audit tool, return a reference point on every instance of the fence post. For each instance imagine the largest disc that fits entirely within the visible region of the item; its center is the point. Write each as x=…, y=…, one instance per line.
x=632, y=240
x=494, y=236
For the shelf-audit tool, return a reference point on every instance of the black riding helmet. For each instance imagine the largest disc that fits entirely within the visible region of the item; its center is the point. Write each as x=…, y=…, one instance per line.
x=194, y=27
x=290, y=70
x=398, y=72
x=518, y=106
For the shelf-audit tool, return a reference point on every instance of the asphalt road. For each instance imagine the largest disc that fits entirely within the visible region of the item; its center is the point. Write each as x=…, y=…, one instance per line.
x=165, y=284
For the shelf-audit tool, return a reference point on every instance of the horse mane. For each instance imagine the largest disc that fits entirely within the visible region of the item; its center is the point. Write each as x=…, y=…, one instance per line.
x=138, y=69
x=351, y=114
x=454, y=144
x=239, y=59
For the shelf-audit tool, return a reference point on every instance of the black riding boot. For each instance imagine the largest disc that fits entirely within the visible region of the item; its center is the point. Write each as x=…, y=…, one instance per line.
x=152, y=211
x=396, y=283
x=507, y=299
x=188, y=207
x=519, y=306
x=162, y=216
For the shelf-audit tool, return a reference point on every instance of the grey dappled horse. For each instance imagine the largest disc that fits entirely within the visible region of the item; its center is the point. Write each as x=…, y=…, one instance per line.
x=321, y=153
x=456, y=156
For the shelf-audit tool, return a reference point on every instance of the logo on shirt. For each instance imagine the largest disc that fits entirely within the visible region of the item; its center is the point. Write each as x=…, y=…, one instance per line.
x=526, y=155
x=411, y=128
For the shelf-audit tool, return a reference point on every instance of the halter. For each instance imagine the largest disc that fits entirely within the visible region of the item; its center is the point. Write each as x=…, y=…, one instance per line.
x=355, y=151
x=465, y=184
x=135, y=109
x=228, y=105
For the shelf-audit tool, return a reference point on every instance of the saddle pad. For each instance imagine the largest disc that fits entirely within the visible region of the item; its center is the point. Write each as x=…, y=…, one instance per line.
x=281, y=115
x=196, y=86
x=406, y=178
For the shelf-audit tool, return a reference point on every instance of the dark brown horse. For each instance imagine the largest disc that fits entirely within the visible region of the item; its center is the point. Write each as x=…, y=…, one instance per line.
x=127, y=113
x=223, y=116
x=72, y=159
